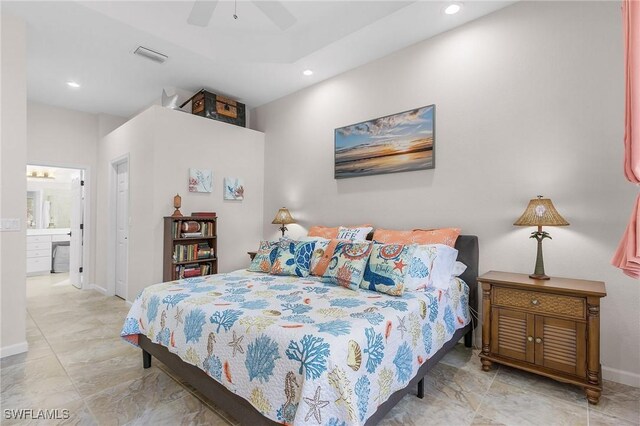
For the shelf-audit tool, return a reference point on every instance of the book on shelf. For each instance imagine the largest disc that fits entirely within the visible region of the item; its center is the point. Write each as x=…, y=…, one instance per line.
x=204, y=214
x=192, y=270
x=191, y=234
x=187, y=252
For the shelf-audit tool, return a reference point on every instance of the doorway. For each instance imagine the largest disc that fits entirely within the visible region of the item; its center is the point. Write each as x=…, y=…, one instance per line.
x=121, y=215
x=56, y=208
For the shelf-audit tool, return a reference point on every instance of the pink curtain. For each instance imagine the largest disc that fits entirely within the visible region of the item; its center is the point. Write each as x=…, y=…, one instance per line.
x=627, y=257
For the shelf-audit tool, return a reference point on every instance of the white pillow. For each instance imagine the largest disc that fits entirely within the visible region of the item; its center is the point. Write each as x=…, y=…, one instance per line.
x=432, y=265
x=318, y=252
x=353, y=234
x=459, y=268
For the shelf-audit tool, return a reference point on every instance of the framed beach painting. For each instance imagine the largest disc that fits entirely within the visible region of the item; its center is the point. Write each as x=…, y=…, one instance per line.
x=401, y=142
x=233, y=188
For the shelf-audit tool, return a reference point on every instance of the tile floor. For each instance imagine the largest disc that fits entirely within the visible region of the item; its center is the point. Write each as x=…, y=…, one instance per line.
x=77, y=362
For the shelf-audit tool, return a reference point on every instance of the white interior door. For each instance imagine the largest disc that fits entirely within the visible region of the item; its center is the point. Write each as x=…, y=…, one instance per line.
x=122, y=228
x=76, y=244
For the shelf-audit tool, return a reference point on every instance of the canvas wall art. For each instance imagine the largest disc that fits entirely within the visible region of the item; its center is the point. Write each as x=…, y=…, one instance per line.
x=233, y=188
x=200, y=180
x=400, y=142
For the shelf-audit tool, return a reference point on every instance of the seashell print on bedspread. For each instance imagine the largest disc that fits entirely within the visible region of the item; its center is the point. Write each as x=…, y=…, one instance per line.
x=300, y=350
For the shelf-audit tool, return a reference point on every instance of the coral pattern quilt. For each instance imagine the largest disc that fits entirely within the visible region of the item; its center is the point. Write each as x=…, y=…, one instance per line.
x=302, y=351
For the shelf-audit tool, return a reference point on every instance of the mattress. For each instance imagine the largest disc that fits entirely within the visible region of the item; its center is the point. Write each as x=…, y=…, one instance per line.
x=300, y=350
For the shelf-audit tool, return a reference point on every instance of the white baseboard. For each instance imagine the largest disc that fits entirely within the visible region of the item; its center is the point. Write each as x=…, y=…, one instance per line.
x=97, y=288
x=129, y=303
x=18, y=348
x=621, y=376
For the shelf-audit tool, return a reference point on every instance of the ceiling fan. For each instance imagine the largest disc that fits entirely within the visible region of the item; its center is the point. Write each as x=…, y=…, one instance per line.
x=202, y=11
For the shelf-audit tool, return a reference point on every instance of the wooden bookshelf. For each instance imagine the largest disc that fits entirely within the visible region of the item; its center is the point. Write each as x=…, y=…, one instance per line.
x=183, y=255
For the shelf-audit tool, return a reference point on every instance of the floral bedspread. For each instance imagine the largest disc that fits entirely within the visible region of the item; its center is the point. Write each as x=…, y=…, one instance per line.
x=300, y=350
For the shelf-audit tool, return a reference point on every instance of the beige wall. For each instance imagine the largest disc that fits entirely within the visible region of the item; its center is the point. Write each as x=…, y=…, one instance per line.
x=13, y=184
x=67, y=138
x=529, y=100
x=162, y=145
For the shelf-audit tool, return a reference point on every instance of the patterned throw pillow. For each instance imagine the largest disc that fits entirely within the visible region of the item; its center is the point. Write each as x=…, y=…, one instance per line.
x=432, y=265
x=330, y=233
x=293, y=258
x=446, y=236
x=347, y=264
x=387, y=267
x=354, y=234
x=264, y=257
x=318, y=251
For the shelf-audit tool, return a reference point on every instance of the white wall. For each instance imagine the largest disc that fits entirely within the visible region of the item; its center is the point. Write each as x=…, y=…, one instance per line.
x=529, y=100
x=67, y=138
x=162, y=145
x=13, y=184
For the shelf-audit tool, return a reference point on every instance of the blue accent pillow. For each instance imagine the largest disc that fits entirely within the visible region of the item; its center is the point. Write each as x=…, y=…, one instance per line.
x=264, y=257
x=387, y=268
x=293, y=258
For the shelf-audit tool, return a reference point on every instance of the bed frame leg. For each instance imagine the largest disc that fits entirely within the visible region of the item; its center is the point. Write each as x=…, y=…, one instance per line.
x=468, y=339
x=146, y=359
x=421, y=388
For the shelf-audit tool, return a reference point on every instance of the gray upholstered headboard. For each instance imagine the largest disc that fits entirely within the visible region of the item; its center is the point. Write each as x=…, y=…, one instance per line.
x=467, y=246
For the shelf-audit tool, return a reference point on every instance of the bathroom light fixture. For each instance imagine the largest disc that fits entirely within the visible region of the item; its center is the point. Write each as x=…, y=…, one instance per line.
x=73, y=84
x=452, y=9
x=307, y=72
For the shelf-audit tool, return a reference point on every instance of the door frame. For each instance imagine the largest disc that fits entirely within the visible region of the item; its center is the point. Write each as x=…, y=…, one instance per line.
x=112, y=204
x=87, y=223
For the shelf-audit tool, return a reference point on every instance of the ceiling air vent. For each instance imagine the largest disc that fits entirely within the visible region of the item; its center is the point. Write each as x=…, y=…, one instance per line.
x=150, y=54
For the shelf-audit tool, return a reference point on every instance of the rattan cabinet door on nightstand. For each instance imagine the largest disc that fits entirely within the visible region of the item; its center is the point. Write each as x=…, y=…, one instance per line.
x=549, y=327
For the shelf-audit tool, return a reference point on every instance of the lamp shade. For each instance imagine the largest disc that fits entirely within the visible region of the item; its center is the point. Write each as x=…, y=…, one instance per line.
x=283, y=217
x=541, y=212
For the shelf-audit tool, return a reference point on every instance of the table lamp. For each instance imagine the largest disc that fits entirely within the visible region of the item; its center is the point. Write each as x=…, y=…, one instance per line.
x=283, y=217
x=540, y=212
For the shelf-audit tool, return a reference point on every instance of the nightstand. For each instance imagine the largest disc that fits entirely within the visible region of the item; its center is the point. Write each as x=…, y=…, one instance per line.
x=548, y=327
x=252, y=254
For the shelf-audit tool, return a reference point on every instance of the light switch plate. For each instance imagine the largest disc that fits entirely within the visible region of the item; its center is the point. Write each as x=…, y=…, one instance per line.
x=9, y=225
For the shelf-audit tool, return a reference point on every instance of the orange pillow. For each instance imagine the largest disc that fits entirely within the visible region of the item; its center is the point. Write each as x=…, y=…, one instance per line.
x=330, y=233
x=323, y=232
x=446, y=236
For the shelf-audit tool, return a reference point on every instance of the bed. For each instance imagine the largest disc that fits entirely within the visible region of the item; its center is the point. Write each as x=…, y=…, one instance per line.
x=274, y=350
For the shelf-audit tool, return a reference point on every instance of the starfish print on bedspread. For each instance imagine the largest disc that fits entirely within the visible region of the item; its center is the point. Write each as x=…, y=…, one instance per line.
x=235, y=343
x=401, y=327
x=315, y=405
x=178, y=316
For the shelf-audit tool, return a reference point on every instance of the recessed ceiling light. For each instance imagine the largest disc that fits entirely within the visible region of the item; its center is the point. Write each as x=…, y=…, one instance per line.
x=307, y=72
x=452, y=9
x=73, y=84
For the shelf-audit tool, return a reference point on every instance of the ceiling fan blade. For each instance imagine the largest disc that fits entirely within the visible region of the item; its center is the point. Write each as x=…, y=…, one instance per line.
x=201, y=12
x=278, y=14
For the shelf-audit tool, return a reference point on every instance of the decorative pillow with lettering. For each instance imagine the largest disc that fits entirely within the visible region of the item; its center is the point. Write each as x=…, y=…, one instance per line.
x=354, y=234
x=347, y=264
x=293, y=258
x=387, y=268
x=331, y=233
x=265, y=256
